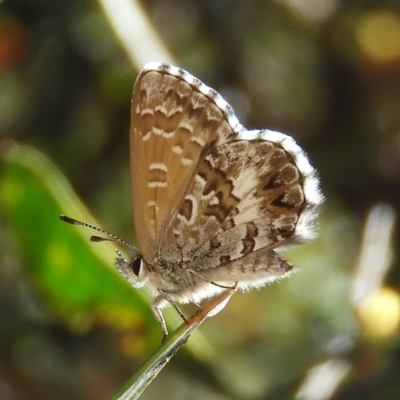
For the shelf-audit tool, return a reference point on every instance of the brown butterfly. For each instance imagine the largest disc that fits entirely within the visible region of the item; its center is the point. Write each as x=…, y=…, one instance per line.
x=213, y=203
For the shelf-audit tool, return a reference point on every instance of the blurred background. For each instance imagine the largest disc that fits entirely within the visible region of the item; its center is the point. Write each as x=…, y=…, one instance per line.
x=326, y=72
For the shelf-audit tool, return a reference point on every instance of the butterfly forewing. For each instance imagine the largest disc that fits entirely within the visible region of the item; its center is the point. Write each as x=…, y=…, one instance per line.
x=173, y=123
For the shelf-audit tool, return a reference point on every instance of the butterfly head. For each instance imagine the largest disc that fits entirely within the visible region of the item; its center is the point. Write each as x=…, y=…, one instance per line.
x=132, y=270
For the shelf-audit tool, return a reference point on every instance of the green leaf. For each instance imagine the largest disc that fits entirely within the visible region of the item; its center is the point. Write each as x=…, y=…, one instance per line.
x=75, y=277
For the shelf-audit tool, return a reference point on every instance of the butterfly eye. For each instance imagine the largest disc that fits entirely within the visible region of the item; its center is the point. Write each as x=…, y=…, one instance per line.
x=136, y=265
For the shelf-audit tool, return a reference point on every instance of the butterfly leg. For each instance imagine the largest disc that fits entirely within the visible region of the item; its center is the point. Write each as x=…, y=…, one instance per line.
x=156, y=307
x=172, y=303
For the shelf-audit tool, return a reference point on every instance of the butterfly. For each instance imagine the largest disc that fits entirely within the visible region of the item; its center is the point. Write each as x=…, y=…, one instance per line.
x=214, y=203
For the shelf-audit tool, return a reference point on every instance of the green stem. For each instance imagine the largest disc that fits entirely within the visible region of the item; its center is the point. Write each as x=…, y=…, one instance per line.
x=133, y=388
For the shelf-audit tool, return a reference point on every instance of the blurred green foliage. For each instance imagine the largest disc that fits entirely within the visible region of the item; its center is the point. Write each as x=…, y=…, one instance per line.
x=325, y=72
x=34, y=194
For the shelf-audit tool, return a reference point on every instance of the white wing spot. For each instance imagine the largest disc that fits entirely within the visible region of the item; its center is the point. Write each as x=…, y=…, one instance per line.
x=164, y=134
x=208, y=197
x=145, y=111
x=160, y=166
x=198, y=140
x=200, y=179
x=186, y=161
x=186, y=125
x=158, y=131
x=152, y=203
x=146, y=136
x=157, y=184
x=168, y=135
x=175, y=110
x=214, y=201
x=162, y=109
x=177, y=149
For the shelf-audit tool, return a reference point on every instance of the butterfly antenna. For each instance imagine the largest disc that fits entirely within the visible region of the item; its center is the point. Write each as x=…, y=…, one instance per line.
x=112, y=238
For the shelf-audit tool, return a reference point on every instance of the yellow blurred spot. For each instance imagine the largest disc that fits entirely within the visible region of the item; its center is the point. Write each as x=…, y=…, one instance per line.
x=378, y=35
x=379, y=313
x=121, y=317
